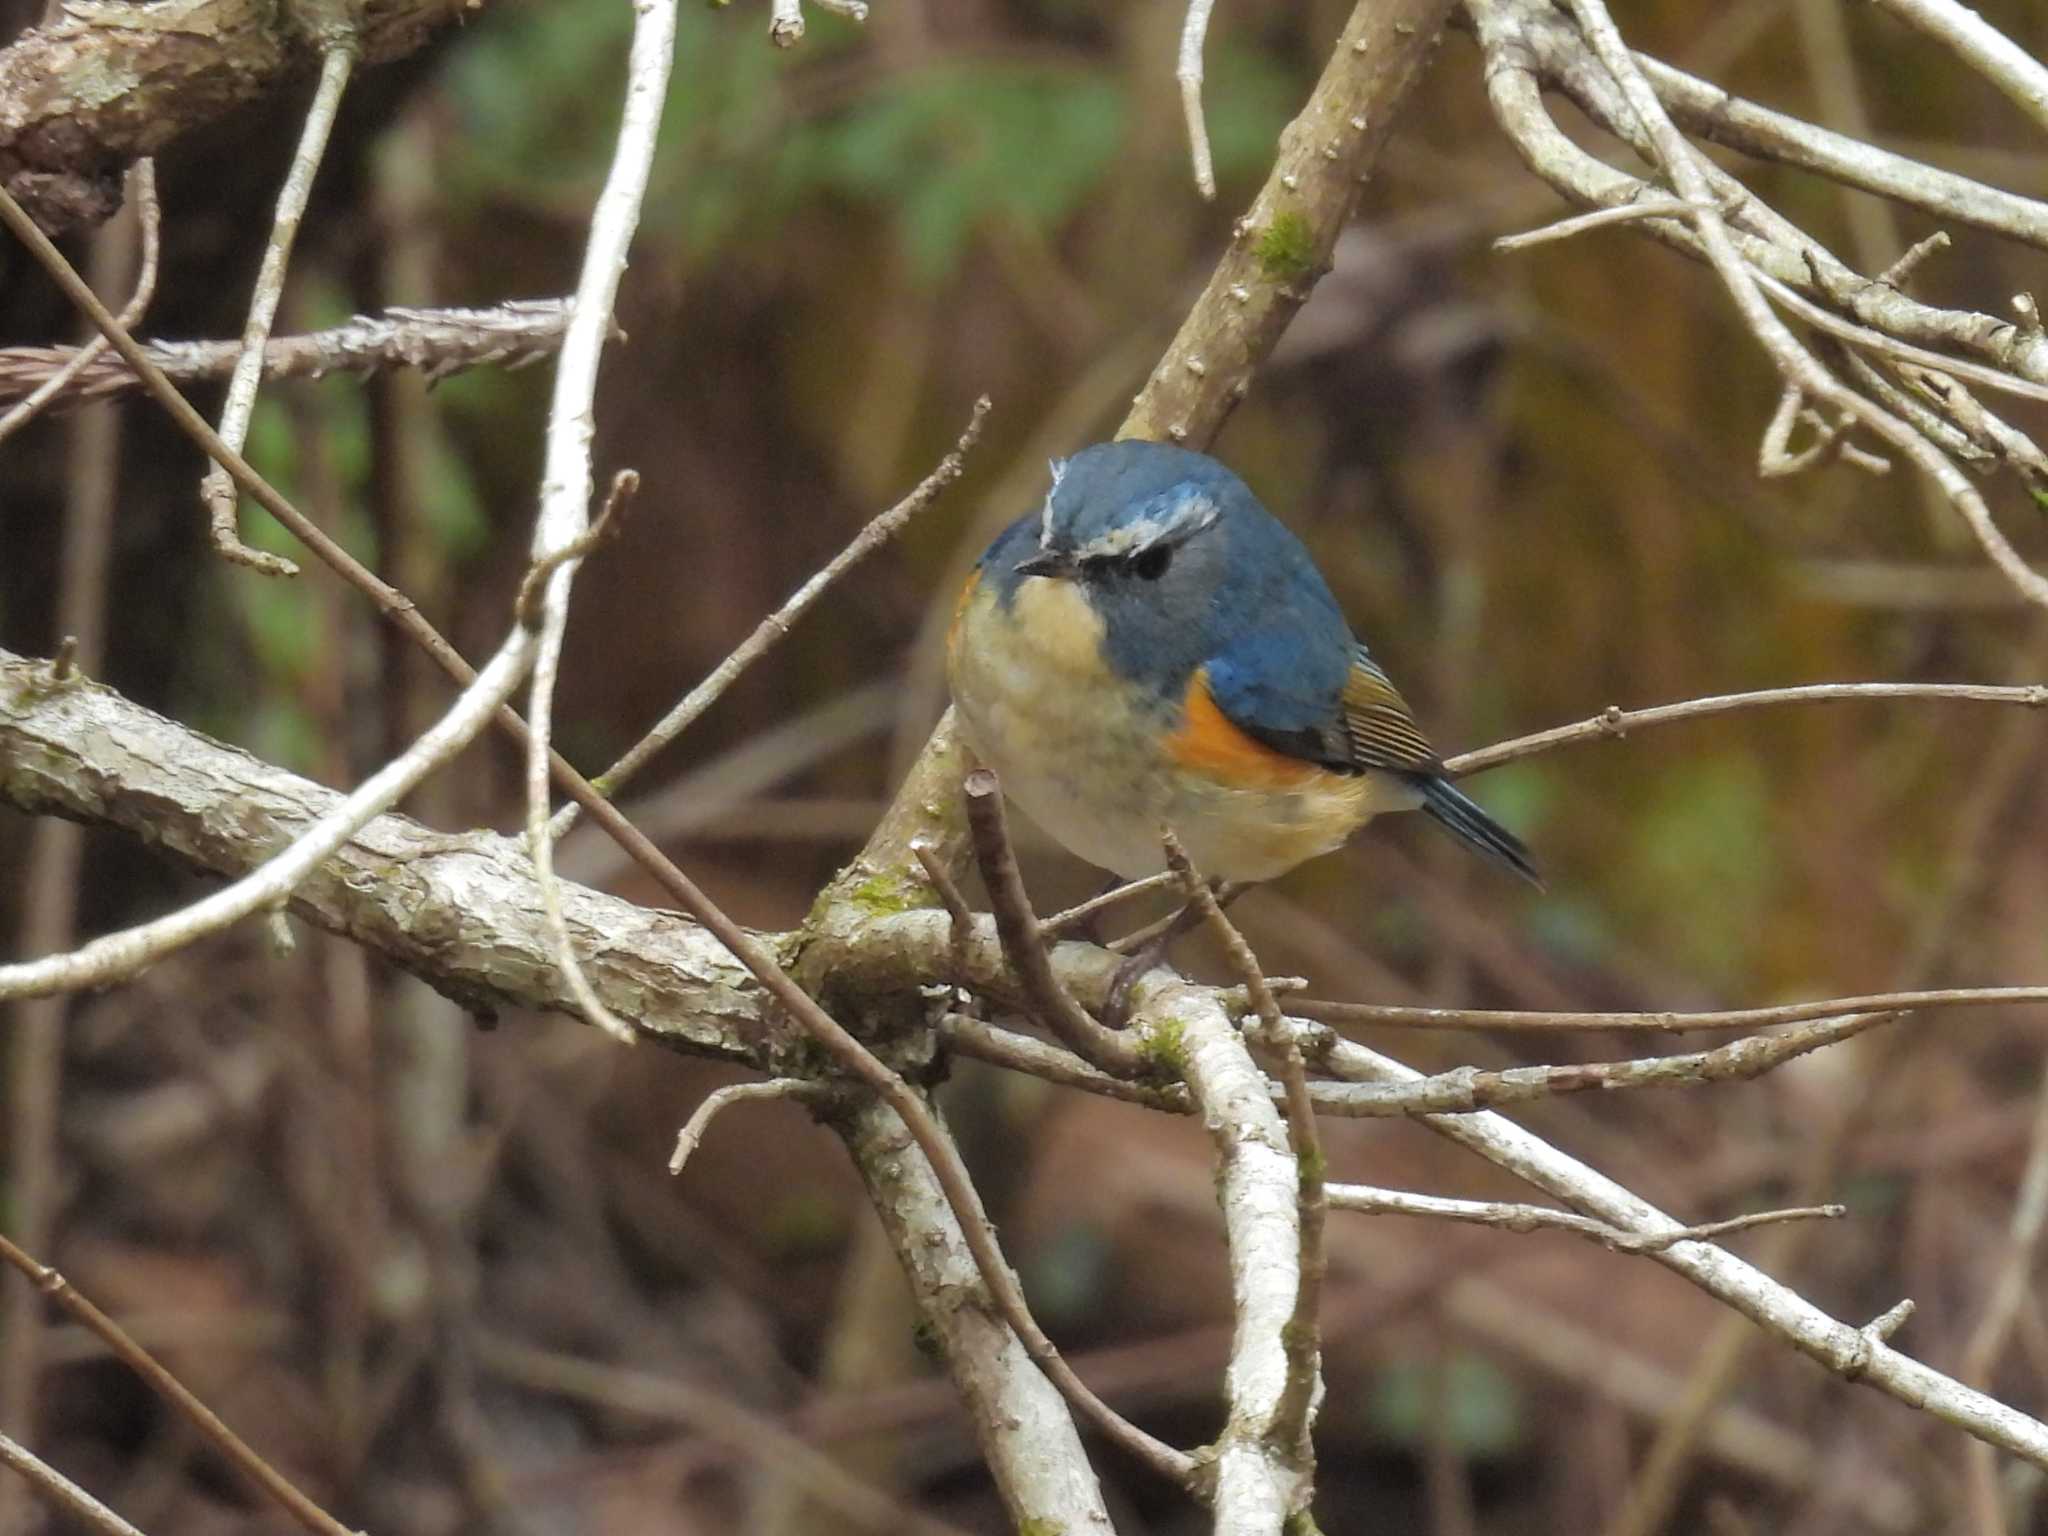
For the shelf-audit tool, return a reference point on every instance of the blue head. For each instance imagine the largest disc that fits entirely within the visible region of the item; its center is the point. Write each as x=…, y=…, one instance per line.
x=1185, y=569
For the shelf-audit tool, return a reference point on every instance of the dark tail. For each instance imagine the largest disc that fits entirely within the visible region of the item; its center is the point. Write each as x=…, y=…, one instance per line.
x=1453, y=808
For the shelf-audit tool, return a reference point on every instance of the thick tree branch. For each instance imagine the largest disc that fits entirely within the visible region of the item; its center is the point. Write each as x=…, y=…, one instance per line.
x=1024, y=1428
x=105, y=84
x=462, y=913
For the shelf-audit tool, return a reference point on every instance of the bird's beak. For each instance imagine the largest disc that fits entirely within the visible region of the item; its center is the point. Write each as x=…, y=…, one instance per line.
x=1047, y=562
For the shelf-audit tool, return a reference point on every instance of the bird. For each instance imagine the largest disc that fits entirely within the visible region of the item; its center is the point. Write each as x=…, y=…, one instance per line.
x=1151, y=649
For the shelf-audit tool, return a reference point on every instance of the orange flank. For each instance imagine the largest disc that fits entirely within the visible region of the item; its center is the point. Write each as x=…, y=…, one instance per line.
x=1207, y=743
x=960, y=610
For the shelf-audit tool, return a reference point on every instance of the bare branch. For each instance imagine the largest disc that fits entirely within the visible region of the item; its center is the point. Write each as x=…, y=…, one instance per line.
x=1260, y=1480
x=457, y=911
x=1599, y=218
x=1873, y=340
x=602, y=530
x=437, y=342
x=563, y=525
x=1078, y=914
x=1302, y=1335
x=1463, y=1090
x=1510, y=1217
x=1024, y=945
x=59, y=1490
x=337, y=61
x=1614, y=722
x=119, y=956
x=99, y=85
x=1706, y=109
x=1040, y=1059
x=692, y=1134
x=1022, y=1423
x=958, y=913
x=1383, y=1015
x=1188, y=72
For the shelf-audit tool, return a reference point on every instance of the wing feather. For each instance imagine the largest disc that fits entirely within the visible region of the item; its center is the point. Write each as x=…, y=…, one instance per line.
x=1379, y=724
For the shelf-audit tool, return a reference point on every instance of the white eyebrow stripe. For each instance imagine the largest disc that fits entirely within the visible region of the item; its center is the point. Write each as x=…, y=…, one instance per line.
x=1187, y=517
x=1059, y=473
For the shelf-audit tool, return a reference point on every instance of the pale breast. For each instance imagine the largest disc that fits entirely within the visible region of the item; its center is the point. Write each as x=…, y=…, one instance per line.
x=1039, y=706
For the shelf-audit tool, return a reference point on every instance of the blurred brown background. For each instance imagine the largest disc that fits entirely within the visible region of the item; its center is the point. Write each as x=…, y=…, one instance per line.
x=390, y=1247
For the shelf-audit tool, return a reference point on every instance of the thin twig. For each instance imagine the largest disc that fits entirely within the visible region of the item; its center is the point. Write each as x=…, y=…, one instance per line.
x=1044, y=1060
x=1512, y=1217
x=62, y=1492
x=1074, y=916
x=563, y=526
x=437, y=342
x=772, y=629
x=149, y=220
x=1194, y=30
x=1614, y=722
x=1024, y=945
x=216, y=490
x=1465, y=1090
x=1871, y=339
x=1899, y=271
x=1776, y=456
x=1599, y=218
x=958, y=913
x=1394, y=1016
x=230, y=1445
x=692, y=1134
x=610, y=518
x=1717, y=115
x=1303, y=1333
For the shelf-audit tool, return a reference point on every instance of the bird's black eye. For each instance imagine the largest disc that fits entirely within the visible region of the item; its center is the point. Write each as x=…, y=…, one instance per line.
x=1150, y=563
